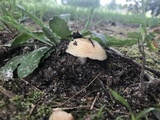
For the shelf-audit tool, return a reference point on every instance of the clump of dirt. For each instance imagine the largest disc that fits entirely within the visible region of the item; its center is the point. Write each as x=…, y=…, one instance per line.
x=67, y=83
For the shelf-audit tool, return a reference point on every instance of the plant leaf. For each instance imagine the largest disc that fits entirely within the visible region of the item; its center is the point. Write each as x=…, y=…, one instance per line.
x=59, y=27
x=100, y=38
x=50, y=35
x=23, y=37
x=120, y=99
x=87, y=25
x=143, y=113
x=30, y=62
x=34, y=18
x=6, y=72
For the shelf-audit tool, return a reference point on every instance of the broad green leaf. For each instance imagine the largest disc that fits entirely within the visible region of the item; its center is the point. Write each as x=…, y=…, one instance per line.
x=21, y=39
x=143, y=113
x=59, y=27
x=27, y=63
x=135, y=35
x=30, y=62
x=51, y=36
x=120, y=99
x=6, y=72
x=34, y=18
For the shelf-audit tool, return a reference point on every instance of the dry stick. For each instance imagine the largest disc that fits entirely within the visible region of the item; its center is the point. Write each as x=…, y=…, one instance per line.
x=6, y=93
x=141, y=50
x=94, y=101
x=81, y=89
x=129, y=60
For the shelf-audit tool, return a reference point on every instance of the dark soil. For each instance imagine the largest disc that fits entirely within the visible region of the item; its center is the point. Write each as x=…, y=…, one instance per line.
x=63, y=82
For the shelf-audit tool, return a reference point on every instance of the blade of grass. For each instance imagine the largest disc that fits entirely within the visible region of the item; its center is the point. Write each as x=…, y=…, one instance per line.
x=34, y=18
x=88, y=22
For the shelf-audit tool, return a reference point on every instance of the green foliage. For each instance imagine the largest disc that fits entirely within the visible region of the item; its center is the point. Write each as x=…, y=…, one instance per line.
x=25, y=64
x=124, y=102
x=50, y=36
x=145, y=37
x=59, y=27
x=120, y=99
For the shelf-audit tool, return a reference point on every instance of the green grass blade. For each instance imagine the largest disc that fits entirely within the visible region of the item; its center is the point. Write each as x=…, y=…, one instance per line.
x=87, y=25
x=143, y=113
x=34, y=18
x=120, y=99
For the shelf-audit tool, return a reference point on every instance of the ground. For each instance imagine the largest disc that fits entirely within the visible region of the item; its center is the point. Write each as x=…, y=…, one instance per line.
x=61, y=81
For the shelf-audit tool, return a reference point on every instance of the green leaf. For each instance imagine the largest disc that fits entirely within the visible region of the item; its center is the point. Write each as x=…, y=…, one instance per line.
x=30, y=62
x=100, y=112
x=143, y=113
x=27, y=63
x=50, y=35
x=59, y=27
x=100, y=37
x=87, y=25
x=12, y=23
x=21, y=39
x=6, y=72
x=134, y=35
x=34, y=18
x=132, y=117
x=120, y=99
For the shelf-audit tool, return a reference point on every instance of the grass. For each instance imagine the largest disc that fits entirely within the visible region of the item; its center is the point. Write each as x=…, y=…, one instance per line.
x=47, y=10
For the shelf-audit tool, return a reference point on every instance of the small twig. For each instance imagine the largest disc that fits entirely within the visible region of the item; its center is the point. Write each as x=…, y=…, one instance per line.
x=30, y=84
x=71, y=108
x=141, y=50
x=131, y=61
x=6, y=93
x=94, y=101
x=81, y=89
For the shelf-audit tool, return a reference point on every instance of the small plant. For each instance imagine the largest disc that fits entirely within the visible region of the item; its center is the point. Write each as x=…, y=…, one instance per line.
x=133, y=116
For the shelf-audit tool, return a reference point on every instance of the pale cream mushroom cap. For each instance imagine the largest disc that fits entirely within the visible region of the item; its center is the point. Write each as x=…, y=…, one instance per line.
x=61, y=115
x=85, y=48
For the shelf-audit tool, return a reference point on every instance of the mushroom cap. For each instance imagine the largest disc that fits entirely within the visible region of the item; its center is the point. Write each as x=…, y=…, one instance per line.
x=61, y=115
x=85, y=48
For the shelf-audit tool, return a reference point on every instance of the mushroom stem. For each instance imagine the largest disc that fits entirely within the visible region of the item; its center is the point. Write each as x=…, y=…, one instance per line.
x=82, y=60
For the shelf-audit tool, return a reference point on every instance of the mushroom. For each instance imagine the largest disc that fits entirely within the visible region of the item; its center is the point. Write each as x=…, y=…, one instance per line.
x=86, y=48
x=60, y=115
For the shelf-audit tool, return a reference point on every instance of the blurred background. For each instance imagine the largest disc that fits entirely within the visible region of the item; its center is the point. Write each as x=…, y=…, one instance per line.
x=124, y=11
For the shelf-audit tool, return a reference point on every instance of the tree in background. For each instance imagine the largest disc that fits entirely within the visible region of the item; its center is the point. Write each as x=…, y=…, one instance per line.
x=153, y=6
